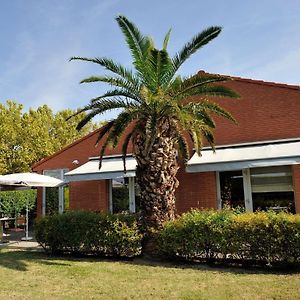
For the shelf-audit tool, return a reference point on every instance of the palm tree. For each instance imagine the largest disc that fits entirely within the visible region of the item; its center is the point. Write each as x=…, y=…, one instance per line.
x=156, y=115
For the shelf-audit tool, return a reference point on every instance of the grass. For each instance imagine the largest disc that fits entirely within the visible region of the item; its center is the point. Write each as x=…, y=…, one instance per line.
x=33, y=275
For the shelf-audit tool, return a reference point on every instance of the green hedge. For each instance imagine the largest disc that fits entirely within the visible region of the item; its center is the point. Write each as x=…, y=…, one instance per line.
x=250, y=238
x=89, y=233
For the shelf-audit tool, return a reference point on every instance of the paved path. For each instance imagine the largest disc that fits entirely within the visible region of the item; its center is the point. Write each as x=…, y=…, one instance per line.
x=14, y=241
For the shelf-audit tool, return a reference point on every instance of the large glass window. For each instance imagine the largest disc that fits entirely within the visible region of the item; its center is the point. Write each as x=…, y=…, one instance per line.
x=52, y=200
x=55, y=199
x=120, y=195
x=124, y=195
x=265, y=188
x=232, y=192
x=272, y=188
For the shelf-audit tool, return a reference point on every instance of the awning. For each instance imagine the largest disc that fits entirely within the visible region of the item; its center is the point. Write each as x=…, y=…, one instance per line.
x=241, y=157
x=112, y=167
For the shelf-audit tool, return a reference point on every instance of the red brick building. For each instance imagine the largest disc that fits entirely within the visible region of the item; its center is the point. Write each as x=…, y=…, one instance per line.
x=256, y=164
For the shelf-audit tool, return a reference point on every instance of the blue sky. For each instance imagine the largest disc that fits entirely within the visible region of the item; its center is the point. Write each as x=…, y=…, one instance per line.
x=260, y=40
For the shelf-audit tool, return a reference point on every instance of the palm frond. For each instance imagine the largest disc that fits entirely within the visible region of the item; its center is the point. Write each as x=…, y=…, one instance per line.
x=102, y=151
x=114, y=81
x=195, y=44
x=195, y=81
x=126, y=142
x=125, y=148
x=209, y=136
x=151, y=133
x=100, y=107
x=86, y=119
x=115, y=131
x=216, y=91
x=197, y=140
x=214, y=108
x=104, y=130
x=109, y=131
x=121, y=123
x=112, y=66
x=120, y=93
x=158, y=69
x=183, y=148
x=138, y=44
x=166, y=39
x=204, y=116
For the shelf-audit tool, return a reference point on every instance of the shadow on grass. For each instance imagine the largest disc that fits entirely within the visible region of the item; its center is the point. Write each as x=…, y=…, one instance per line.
x=19, y=260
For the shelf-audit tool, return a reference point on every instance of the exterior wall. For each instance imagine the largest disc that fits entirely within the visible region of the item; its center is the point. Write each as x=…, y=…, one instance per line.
x=296, y=179
x=265, y=111
x=90, y=195
x=39, y=202
x=196, y=190
x=86, y=195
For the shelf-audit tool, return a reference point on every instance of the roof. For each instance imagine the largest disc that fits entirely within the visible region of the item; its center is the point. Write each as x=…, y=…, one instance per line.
x=65, y=148
x=257, y=81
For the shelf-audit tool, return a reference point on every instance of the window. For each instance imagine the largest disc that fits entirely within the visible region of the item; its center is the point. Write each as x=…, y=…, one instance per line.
x=124, y=195
x=257, y=189
x=272, y=188
x=120, y=195
x=55, y=199
x=232, y=191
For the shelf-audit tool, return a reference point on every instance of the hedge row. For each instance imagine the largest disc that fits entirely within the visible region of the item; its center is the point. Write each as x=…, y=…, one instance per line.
x=250, y=238
x=89, y=233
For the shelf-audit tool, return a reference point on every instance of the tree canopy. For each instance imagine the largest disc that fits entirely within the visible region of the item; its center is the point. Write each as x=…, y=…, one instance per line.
x=27, y=137
x=13, y=202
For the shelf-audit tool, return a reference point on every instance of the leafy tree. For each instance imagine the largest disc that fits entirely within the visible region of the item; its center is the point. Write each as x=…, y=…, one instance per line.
x=13, y=202
x=157, y=115
x=10, y=137
x=26, y=138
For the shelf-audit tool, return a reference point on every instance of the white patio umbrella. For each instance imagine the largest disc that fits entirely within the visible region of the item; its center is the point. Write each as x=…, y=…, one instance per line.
x=29, y=180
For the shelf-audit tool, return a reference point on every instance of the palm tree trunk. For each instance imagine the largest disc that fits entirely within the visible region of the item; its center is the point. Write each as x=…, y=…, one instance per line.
x=156, y=176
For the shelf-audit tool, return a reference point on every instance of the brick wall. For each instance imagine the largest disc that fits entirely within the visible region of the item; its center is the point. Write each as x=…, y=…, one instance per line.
x=196, y=190
x=94, y=197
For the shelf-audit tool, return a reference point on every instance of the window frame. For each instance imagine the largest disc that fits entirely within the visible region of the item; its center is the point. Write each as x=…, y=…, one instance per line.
x=60, y=190
x=247, y=186
x=131, y=192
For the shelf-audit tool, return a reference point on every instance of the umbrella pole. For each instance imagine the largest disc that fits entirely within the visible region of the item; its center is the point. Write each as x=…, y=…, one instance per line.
x=26, y=238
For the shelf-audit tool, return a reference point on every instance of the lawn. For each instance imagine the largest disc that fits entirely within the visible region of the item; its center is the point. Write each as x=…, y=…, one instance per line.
x=33, y=275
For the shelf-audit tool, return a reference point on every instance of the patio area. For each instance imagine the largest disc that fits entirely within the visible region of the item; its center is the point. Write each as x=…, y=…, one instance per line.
x=13, y=240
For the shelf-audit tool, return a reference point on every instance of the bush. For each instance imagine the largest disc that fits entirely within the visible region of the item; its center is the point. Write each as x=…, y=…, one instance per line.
x=89, y=233
x=226, y=236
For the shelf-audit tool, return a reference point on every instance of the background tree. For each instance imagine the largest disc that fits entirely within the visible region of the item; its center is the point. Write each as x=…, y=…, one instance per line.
x=25, y=138
x=13, y=202
x=156, y=114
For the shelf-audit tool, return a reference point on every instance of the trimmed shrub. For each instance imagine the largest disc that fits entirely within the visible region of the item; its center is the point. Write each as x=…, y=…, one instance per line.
x=197, y=234
x=266, y=237
x=251, y=238
x=88, y=233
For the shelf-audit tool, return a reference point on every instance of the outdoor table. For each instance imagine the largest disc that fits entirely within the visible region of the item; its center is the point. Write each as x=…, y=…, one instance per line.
x=2, y=222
